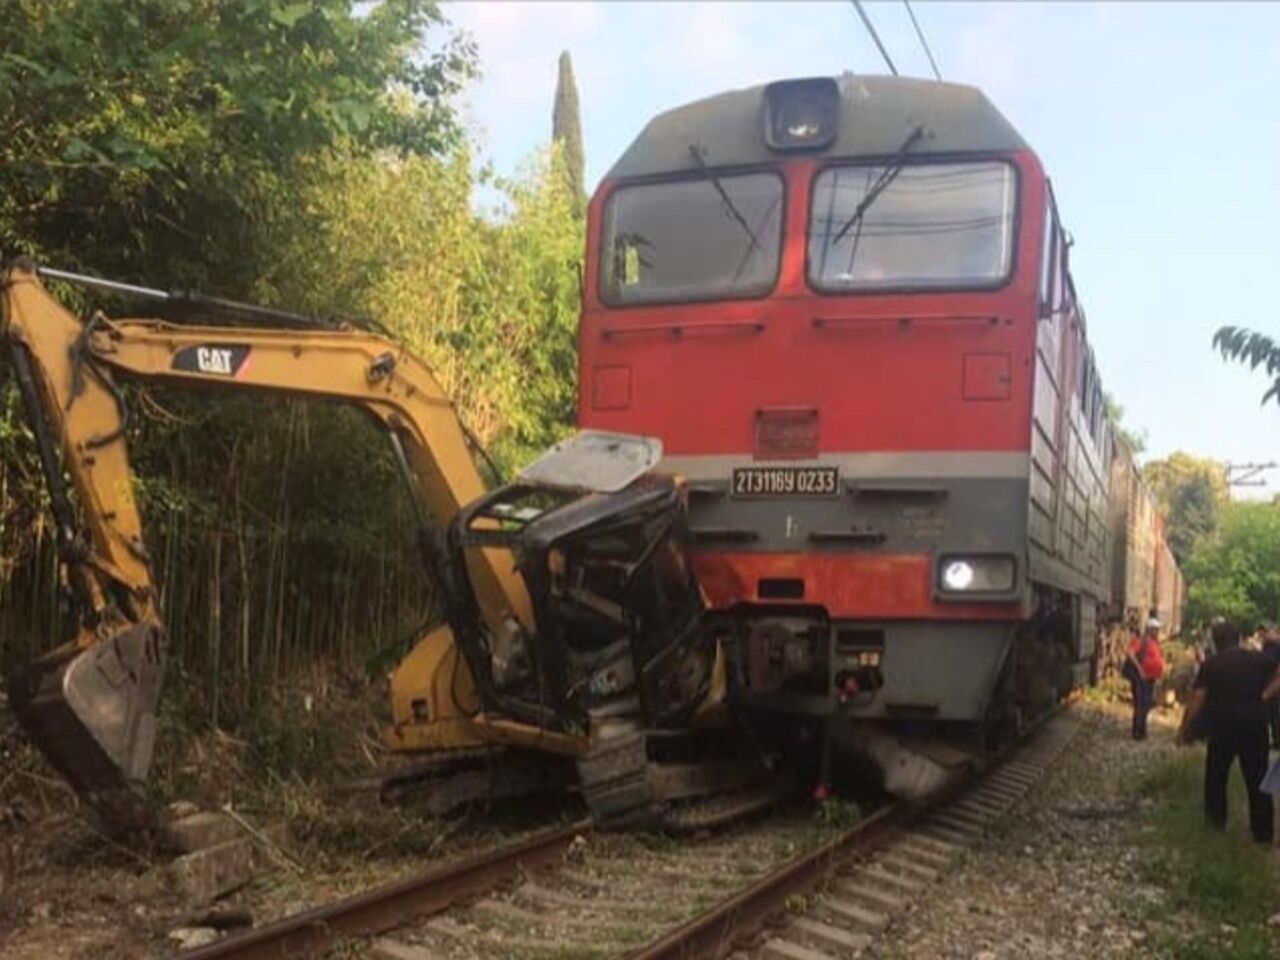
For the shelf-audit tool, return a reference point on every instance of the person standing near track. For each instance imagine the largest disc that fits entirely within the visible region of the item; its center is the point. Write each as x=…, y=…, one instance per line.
x=1271, y=649
x=1231, y=691
x=1143, y=668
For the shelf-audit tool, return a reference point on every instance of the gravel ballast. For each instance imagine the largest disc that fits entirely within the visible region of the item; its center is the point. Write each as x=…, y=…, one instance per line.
x=1063, y=878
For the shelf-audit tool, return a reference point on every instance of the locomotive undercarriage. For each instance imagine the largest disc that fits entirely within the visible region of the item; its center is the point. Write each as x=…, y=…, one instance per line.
x=1041, y=667
x=836, y=694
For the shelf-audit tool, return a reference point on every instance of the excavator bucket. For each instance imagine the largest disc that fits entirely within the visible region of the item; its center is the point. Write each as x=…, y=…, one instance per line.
x=92, y=713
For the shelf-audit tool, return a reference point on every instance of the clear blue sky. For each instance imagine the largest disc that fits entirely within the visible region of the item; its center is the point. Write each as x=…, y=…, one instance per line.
x=1159, y=123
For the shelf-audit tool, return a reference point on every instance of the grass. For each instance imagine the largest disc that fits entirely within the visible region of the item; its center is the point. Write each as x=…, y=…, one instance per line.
x=839, y=815
x=1221, y=887
x=1111, y=689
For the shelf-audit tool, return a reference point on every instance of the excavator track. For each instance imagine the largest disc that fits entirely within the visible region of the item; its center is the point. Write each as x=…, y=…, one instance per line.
x=711, y=813
x=624, y=788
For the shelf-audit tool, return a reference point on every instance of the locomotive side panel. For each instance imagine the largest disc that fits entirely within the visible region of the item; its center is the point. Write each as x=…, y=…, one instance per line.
x=1046, y=424
x=1069, y=539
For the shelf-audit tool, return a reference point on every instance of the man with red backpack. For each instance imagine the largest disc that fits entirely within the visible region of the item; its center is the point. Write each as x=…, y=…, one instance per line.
x=1143, y=668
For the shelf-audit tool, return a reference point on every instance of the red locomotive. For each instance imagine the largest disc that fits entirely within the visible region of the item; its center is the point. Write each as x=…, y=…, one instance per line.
x=844, y=306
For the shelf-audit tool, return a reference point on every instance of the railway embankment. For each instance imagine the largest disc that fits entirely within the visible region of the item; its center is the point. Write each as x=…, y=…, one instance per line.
x=1107, y=859
x=1088, y=845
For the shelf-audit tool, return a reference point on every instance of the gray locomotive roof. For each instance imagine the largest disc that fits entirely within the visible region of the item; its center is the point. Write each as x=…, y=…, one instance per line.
x=877, y=114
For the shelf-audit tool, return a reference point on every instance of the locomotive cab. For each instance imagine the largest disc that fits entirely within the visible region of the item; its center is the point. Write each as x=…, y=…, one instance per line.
x=843, y=305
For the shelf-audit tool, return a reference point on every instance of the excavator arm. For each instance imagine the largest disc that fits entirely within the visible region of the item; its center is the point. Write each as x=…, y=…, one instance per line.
x=89, y=704
x=557, y=589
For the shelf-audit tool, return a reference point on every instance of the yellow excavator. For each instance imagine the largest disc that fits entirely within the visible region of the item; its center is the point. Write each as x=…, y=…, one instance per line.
x=571, y=625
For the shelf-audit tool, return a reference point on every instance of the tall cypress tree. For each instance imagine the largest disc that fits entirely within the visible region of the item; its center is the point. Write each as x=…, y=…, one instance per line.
x=566, y=129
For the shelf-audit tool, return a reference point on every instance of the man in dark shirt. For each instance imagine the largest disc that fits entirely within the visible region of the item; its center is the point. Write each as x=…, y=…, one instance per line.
x=1229, y=691
x=1271, y=648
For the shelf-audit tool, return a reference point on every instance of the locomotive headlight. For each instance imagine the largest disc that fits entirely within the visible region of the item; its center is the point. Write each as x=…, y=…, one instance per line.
x=993, y=573
x=801, y=114
x=957, y=575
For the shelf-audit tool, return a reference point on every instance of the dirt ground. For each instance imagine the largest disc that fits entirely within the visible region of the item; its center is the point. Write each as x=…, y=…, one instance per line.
x=1065, y=880
x=302, y=776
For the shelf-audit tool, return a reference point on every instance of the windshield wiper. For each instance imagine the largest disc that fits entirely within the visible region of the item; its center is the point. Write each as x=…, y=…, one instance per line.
x=701, y=161
x=887, y=176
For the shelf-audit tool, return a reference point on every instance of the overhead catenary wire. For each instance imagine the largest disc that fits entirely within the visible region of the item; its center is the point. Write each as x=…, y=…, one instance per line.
x=923, y=42
x=866, y=22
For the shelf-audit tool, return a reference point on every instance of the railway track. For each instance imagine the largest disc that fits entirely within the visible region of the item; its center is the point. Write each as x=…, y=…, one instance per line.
x=834, y=909
x=783, y=889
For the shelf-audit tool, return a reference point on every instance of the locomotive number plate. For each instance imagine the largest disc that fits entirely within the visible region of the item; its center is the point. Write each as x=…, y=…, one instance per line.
x=786, y=481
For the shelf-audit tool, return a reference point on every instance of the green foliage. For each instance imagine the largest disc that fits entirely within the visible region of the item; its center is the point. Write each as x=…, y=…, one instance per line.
x=22, y=491
x=160, y=141
x=1255, y=349
x=530, y=287
x=1134, y=439
x=299, y=154
x=1222, y=887
x=839, y=815
x=491, y=305
x=1191, y=493
x=143, y=138
x=285, y=741
x=1236, y=572
x=1110, y=689
x=796, y=904
x=566, y=131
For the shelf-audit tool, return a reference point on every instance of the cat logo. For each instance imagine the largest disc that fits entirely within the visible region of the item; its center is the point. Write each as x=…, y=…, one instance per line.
x=223, y=360
x=213, y=360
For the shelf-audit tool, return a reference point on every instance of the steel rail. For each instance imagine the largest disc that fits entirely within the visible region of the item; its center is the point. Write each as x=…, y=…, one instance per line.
x=712, y=934
x=311, y=932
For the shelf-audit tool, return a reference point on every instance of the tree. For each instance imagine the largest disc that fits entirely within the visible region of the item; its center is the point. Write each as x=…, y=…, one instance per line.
x=144, y=138
x=185, y=143
x=1191, y=493
x=300, y=154
x=491, y=303
x=1134, y=439
x=540, y=255
x=1236, y=572
x=566, y=130
x=1255, y=349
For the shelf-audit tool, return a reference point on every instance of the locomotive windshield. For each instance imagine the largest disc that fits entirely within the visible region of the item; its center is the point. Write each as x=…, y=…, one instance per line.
x=704, y=239
x=931, y=225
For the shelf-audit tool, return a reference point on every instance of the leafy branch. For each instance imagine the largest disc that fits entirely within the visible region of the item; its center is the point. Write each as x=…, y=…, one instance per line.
x=1256, y=349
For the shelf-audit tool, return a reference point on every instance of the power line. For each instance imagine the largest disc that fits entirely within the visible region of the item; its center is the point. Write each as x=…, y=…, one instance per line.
x=923, y=42
x=866, y=22
x=1247, y=474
